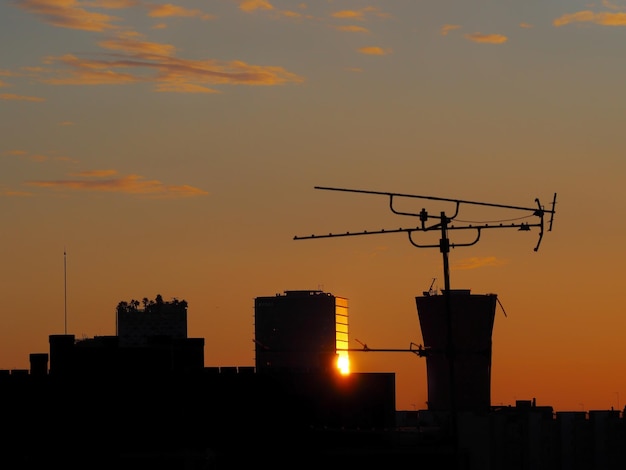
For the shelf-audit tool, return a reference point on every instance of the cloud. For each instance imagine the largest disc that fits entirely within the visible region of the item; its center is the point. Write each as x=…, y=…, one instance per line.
x=486, y=38
x=66, y=123
x=612, y=6
x=169, y=73
x=475, y=263
x=587, y=16
x=290, y=14
x=446, y=28
x=131, y=59
x=129, y=43
x=358, y=14
x=168, y=10
x=14, y=193
x=69, y=14
x=253, y=5
x=131, y=184
x=525, y=25
x=114, y=4
x=13, y=97
x=374, y=50
x=94, y=173
x=351, y=14
x=85, y=72
x=183, y=87
x=352, y=29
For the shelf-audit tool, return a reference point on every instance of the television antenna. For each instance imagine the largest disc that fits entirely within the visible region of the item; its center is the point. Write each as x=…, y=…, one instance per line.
x=443, y=224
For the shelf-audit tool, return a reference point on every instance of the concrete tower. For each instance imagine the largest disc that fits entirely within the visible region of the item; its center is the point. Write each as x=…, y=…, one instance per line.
x=466, y=381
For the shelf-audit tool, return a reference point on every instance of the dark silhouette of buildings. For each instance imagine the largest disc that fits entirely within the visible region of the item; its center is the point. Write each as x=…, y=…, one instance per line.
x=145, y=394
x=150, y=402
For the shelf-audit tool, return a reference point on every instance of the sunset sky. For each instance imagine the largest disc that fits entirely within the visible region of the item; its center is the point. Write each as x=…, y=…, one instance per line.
x=174, y=149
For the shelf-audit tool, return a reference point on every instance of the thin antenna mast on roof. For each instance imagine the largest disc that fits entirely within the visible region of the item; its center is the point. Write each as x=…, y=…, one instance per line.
x=65, y=288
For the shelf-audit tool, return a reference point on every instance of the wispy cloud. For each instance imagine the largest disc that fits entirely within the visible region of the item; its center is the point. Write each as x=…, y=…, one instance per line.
x=96, y=181
x=132, y=59
x=587, y=16
x=374, y=50
x=525, y=25
x=358, y=14
x=476, y=262
x=446, y=28
x=291, y=14
x=351, y=14
x=13, y=193
x=486, y=38
x=114, y=4
x=70, y=14
x=94, y=173
x=352, y=29
x=168, y=10
x=13, y=97
x=169, y=73
x=133, y=43
x=613, y=6
x=253, y=5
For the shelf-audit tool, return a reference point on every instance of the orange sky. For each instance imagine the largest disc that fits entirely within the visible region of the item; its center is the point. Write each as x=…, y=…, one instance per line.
x=173, y=149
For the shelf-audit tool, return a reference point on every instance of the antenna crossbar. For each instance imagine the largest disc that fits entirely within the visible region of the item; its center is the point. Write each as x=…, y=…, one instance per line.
x=434, y=198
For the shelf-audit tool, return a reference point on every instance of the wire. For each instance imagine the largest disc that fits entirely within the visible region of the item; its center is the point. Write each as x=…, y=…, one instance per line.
x=492, y=221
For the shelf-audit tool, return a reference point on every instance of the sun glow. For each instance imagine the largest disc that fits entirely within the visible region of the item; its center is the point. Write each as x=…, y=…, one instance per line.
x=343, y=363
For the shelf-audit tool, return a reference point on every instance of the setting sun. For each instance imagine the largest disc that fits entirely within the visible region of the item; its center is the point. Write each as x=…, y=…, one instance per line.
x=343, y=363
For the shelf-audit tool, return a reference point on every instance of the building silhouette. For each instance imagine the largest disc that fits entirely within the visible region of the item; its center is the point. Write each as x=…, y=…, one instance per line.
x=458, y=367
x=135, y=326
x=152, y=403
x=300, y=330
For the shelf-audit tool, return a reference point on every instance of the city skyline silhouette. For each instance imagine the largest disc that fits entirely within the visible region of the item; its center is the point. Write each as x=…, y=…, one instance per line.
x=175, y=149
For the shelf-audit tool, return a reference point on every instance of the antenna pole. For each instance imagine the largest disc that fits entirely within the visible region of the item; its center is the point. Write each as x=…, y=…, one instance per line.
x=444, y=247
x=65, y=288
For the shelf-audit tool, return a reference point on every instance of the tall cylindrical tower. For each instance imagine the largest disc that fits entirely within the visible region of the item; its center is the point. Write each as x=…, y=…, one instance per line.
x=471, y=323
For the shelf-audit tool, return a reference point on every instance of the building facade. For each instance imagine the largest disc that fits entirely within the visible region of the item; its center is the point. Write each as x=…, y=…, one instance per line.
x=301, y=331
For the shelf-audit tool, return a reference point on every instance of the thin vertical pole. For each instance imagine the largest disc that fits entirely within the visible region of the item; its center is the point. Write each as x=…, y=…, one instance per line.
x=65, y=288
x=444, y=247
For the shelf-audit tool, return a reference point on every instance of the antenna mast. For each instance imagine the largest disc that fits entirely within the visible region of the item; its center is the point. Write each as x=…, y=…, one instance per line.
x=65, y=288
